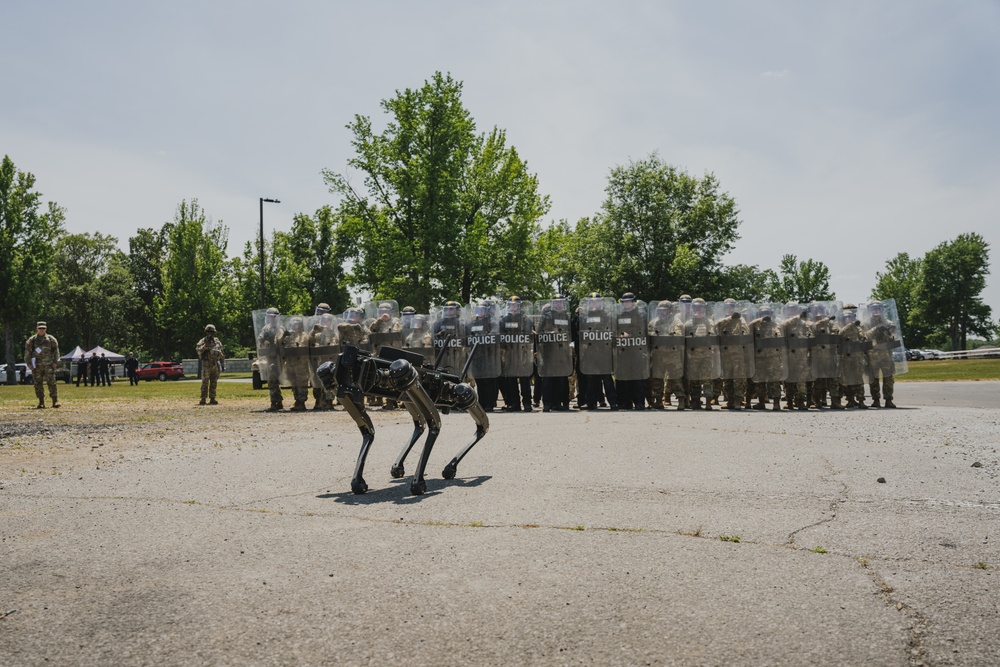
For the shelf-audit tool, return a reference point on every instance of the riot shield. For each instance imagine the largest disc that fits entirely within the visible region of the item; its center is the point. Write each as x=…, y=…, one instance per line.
x=854, y=347
x=666, y=341
x=770, y=349
x=554, y=338
x=517, y=339
x=324, y=344
x=483, y=332
x=419, y=339
x=294, y=346
x=797, y=337
x=384, y=325
x=887, y=355
x=631, y=343
x=267, y=329
x=824, y=346
x=701, y=343
x=448, y=333
x=596, y=335
x=352, y=329
x=736, y=353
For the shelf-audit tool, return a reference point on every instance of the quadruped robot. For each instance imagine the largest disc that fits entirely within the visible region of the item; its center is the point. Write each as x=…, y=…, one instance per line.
x=402, y=375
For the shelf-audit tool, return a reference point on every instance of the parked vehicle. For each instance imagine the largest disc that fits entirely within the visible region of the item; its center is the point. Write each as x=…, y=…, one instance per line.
x=23, y=374
x=914, y=355
x=160, y=370
x=933, y=354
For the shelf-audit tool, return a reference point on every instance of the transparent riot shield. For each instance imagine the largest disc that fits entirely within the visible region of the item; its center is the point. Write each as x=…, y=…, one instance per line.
x=324, y=344
x=294, y=347
x=736, y=353
x=770, y=349
x=554, y=338
x=483, y=334
x=854, y=346
x=824, y=346
x=701, y=342
x=352, y=329
x=384, y=324
x=448, y=332
x=419, y=338
x=631, y=343
x=665, y=332
x=797, y=337
x=517, y=339
x=596, y=335
x=267, y=329
x=887, y=355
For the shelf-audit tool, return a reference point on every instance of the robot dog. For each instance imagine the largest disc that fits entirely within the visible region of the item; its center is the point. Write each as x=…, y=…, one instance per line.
x=401, y=375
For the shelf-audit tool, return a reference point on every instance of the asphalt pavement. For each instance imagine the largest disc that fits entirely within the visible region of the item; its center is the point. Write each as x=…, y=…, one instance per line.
x=653, y=538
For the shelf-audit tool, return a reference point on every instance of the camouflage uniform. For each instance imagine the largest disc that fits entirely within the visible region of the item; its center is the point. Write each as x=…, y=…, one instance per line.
x=419, y=337
x=701, y=366
x=209, y=350
x=294, y=346
x=734, y=360
x=267, y=347
x=41, y=354
x=826, y=362
x=881, y=334
x=768, y=361
x=324, y=345
x=797, y=335
x=853, y=345
x=672, y=382
x=386, y=324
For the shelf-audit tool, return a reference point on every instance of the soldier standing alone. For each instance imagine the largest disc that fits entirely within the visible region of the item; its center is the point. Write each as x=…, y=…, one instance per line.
x=210, y=353
x=41, y=354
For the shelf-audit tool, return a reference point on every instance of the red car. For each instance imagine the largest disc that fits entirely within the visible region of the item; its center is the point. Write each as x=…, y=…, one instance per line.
x=160, y=370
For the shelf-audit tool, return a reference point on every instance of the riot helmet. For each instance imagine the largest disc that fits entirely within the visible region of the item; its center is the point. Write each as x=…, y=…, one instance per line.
x=514, y=305
x=322, y=309
x=450, y=310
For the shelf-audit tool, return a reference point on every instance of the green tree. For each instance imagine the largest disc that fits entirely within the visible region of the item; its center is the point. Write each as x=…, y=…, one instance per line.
x=901, y=281
x=314, y=245
x=954, y=276
x=443, y=213
x=147, y=251
x=75, y=297
x=746, y=283
x=194, y=275
x=661, y=232
x=804, y=281
x=27, y=240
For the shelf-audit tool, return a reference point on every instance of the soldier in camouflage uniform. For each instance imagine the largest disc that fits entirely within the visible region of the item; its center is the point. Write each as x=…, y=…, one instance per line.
x=41, y=354
x=210, y=353
x=825, y=358
x=882, y=334
x=294, y=345
x=769, y=360
x=269, y=352
x=853, y=346
x=733, y=356
x=419, y=336
x=353, y=331
x=702, y=364
x=324, y=345
x=797, y=335
x=386, y=323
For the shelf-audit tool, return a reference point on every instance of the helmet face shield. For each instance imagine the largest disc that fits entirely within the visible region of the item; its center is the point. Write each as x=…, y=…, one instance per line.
x=559, y=305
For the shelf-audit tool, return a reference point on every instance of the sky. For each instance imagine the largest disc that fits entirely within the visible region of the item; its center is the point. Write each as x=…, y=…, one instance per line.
x=847, y=132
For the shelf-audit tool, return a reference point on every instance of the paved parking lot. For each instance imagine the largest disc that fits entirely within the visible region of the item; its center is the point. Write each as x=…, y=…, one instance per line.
x=857, y=538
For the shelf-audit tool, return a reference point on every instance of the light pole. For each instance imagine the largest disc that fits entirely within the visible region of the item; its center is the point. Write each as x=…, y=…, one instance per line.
x=270, y=201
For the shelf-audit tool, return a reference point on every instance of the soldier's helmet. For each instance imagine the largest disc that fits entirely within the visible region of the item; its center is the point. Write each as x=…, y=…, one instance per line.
x=296, y=324
x=419, y=321
x=385, y=308
x=685, y=298
x=698, y=307
x=766, y=312
x=326, y=320
x=322, y=309
x=664, y=307
x=451, y=309
x=792, y=309
x=628, y=296
x=210, y=328
x=875, y=308
x=850, y=312
x=272, y=313
x=729, y=307
x=355, y=315
x=409, y=310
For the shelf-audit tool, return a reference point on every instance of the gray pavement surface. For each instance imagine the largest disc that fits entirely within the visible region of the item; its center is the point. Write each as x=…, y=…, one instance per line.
x=655, y=538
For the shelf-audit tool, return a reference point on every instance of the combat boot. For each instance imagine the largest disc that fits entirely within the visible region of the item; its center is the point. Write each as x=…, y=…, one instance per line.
x=299, y=406
x=777, y=405
x=41, y=404
x=201, y=402
x=319, y=404
x=276, y=406
x=759, y=405
x=861, y=404
x=875, y=403
x=681, y=403
x=800, y=403
x=55, y=402
x=212, y=401
x=889, y=403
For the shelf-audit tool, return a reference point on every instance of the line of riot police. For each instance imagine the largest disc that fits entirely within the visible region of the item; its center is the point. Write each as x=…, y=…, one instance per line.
x=624, y=354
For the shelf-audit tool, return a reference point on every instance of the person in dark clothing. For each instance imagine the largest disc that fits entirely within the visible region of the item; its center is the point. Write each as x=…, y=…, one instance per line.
x=131, y=366
x=81, y=371
x=93, y=370
x=104, y=370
